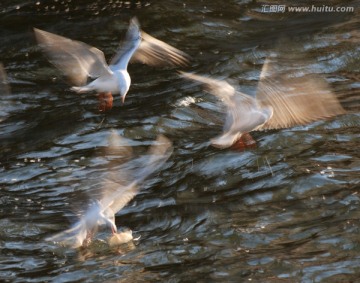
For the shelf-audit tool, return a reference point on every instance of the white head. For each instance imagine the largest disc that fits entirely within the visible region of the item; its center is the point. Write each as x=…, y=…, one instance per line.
x=123, y=95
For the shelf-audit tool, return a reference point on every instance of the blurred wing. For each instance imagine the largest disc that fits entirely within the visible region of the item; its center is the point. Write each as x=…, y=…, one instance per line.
x=75, y=59
x=349, y=97
x=73, y=237
x=221, y=89
x=116, y=196
x=295, y=98
x=155, y=52
x=157, y=156
x=4, y=84
x=240, y=106
x=128, y=47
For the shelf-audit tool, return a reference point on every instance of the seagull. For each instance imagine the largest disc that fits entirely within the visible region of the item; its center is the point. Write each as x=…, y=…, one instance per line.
x=115, y=195
x=282, y=100
x=79, y=61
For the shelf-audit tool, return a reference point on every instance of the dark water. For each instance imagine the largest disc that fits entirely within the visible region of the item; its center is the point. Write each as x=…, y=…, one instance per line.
x=285, y=211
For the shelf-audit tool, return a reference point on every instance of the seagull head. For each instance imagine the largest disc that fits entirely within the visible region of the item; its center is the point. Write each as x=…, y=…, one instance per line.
x=123, y=98
x=124, y=88
x=124, y=83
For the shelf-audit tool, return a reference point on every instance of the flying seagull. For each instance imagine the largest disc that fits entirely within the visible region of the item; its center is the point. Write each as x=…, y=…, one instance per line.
x=282, y=100
x=79, y=61
x=114, y=196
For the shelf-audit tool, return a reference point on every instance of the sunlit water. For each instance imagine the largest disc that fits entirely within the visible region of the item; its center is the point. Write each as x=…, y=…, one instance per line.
x=285, y=211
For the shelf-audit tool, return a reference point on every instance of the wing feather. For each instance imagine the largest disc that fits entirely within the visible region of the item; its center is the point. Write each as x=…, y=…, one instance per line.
x=75, y=59
x=128, y=46
x=116, y=194
x=155, y=52
x=297, y=98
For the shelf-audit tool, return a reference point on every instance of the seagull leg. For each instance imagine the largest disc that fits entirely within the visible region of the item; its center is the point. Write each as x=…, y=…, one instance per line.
x=105, y=101
x=245, y=141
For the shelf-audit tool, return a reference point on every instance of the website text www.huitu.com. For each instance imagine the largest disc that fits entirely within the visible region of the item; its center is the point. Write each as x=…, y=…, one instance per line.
x=305, y=9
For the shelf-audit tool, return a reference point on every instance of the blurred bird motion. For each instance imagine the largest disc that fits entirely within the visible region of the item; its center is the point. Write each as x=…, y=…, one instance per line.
x=116, y=191
x=287, y=95
x=79, y=61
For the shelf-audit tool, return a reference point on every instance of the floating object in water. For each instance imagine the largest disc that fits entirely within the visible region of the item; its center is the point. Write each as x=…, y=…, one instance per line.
x=120, y=238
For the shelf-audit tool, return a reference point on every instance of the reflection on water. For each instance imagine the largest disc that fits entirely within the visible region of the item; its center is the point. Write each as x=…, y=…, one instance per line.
x=286, y=210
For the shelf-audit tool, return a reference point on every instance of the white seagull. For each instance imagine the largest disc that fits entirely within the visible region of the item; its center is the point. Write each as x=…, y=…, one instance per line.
x=79, y=61
x=282, y=100
x=115, y=195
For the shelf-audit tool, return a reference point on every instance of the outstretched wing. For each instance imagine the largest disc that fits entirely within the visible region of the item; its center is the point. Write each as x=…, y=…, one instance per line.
x=128, y=47
x=157, y=155
x=139, y=46
x=296, y=97
x=155, y=52
x=75, y=59
x=221, y=89
x=116, y=194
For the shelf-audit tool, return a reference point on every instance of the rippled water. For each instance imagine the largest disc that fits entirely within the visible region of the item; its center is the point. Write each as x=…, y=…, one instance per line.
x=285, y=211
